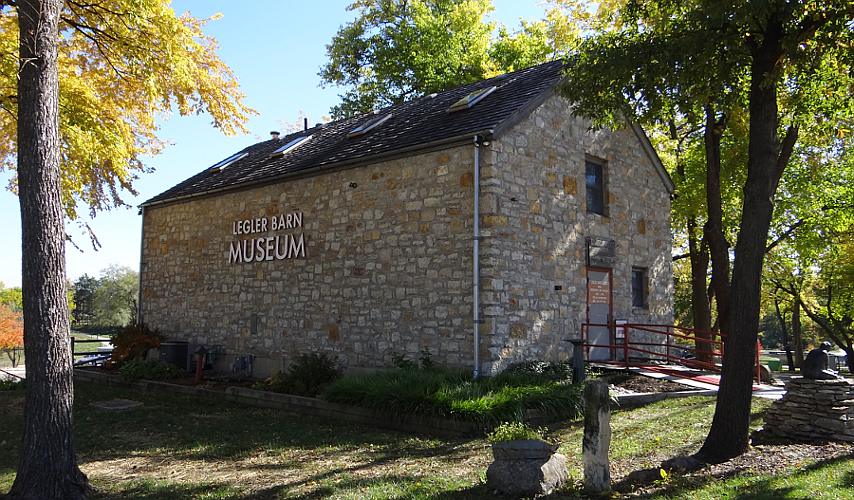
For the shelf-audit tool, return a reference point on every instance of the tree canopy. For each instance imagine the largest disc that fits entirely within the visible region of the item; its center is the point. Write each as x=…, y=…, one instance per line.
x=782, y=65
x=122, y=65
x=397, y=50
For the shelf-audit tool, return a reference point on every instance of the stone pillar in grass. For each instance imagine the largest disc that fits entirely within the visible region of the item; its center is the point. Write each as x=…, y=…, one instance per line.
x=597, y=437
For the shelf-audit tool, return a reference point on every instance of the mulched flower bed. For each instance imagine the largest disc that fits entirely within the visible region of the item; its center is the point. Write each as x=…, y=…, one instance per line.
x=631, y=382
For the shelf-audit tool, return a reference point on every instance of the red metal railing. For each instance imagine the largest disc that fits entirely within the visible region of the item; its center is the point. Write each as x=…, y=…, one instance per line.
x=658, y=343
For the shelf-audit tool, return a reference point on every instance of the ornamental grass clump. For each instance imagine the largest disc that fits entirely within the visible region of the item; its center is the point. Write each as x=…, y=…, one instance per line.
x=308, y=375
x=515, y=431
x=453, y=394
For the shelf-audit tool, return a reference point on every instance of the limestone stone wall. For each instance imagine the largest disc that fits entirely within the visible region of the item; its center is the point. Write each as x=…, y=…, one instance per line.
x=387, y=266
x=535, y=222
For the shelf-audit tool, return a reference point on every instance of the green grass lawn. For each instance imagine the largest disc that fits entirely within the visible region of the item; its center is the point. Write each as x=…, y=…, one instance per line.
x=176, y=448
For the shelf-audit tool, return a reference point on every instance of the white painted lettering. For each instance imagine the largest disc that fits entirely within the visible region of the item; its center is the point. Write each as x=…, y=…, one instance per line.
x=268, y=247
x=284, y=247
x=296, y=249
x=259, y=249
x=278, y=247
x=248, y=250
x=234, y=254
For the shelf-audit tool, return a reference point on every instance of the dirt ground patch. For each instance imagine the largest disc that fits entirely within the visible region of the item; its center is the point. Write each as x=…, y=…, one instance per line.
x=760, y=460
x=632, y=382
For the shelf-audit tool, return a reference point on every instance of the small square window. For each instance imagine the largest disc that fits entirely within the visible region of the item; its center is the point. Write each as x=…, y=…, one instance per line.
x=595, y=180
x=640, y=289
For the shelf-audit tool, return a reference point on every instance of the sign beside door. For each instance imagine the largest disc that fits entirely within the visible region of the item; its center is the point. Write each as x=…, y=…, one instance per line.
x=599, y=334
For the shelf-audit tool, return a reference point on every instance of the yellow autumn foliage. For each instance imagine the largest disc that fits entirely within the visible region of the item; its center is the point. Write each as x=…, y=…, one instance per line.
x=123, y=64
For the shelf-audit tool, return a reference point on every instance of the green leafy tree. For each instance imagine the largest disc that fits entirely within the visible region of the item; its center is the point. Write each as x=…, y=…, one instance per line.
x=79, y=111
x=115, y=297
x=537, y=41
x=397, y=50
x=12, y=297
x=84, y=299
x=121, y=65
x=755, y=57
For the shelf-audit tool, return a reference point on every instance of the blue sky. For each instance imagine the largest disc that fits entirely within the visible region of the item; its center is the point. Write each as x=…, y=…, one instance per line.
x=275, y=49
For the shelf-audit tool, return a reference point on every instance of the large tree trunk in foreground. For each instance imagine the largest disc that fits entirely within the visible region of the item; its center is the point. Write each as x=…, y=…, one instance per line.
x=47, y=468
x=729, y=434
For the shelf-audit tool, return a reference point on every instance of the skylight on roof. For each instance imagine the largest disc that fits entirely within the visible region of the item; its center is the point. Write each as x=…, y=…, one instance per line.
x=220, y=166
x=291, y=145
x=369, y=125
x=471, y=99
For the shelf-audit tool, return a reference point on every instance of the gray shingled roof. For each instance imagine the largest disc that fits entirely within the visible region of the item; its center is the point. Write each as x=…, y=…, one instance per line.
x=416, y=124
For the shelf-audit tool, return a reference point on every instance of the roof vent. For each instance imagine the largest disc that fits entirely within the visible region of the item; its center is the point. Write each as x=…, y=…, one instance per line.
x=274, y=134
x=471, y=99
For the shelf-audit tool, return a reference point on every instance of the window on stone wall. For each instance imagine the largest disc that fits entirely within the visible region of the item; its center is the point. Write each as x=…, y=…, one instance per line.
x=640, y=290
x=595, y=175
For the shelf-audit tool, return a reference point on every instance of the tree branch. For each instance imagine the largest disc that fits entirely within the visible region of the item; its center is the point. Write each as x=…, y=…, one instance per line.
x=786, y=148
x=786, y=234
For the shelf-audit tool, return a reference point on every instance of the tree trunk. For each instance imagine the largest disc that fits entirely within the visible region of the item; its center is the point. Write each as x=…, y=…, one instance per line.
x=787, y=342
x=714, y=228
x=797, y=334
x=728, y=436
x=700, y=307
x=47, y=468
x=849, y=358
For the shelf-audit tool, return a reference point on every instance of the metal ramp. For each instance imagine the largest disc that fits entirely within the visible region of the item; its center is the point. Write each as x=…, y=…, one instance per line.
x=678, y=351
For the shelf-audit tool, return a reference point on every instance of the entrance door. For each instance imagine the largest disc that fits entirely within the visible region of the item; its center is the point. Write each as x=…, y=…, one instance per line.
x=599, y=313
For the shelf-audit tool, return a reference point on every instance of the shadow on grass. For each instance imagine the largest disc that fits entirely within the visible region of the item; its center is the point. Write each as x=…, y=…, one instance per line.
x=221, y=430
x=752, y=487
x=169, y=428
x=155, y=490
x=393, y=486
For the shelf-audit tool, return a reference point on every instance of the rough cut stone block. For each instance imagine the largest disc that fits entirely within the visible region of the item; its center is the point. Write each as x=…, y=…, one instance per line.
x=813, y=410
x=527, y=477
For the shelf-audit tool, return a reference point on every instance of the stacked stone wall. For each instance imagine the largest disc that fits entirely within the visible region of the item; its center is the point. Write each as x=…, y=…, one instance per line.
x=386, y=268
x=813, y=410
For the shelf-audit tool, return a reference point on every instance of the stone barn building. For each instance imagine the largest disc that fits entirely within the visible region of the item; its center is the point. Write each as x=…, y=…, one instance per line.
x=487, y=215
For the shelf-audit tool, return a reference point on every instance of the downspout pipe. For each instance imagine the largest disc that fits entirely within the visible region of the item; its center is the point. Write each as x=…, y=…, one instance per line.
x=476, y=259
x=139, y=281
